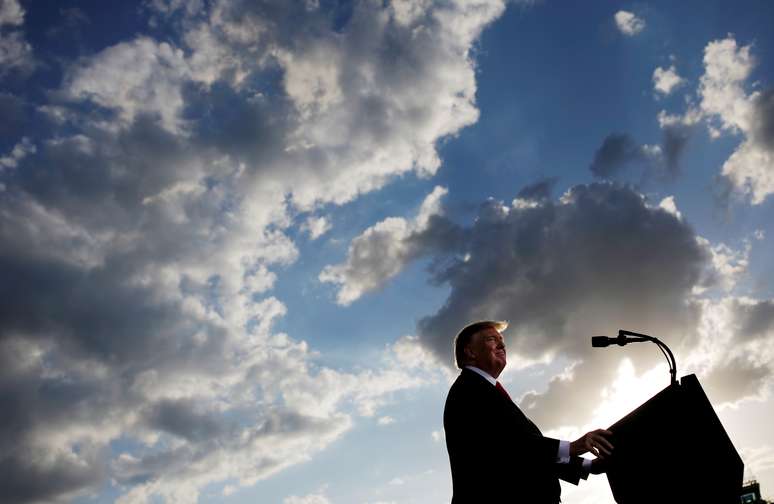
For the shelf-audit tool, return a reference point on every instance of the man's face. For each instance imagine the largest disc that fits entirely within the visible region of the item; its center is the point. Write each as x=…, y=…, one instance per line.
x=487, y=351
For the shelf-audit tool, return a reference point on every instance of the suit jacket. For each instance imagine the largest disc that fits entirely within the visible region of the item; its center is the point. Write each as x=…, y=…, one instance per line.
x=497, y=455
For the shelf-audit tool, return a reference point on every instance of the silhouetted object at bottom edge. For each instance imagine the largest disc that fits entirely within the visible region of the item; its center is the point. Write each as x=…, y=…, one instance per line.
x=673, y=449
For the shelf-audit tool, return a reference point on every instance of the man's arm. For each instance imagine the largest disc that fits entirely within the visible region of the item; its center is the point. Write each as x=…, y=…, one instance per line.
x=594, y=442
x=571, y=467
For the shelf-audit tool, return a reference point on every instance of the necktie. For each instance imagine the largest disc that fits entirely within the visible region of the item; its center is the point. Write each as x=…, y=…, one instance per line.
x=502, y=390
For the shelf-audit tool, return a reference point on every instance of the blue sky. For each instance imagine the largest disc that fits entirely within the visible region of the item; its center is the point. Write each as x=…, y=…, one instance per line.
x=239, y=236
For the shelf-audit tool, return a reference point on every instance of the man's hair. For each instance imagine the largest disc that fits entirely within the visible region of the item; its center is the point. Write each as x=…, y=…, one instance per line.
x=466, y=334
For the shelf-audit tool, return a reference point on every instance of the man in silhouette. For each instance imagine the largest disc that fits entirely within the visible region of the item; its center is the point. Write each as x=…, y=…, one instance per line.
x=497, y=454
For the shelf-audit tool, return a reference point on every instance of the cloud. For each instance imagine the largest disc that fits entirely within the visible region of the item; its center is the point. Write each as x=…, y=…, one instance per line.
x=601, y=257
x=628, y=23
x=19, y=152
x=514, y=263
x=726, y=67
x=13, y=112
x=729, y=264
x=665, y=80
x=11, y=13
x=316, y=227
x=674, y=140
x=307, y=499
x=758, y=459
x=733, y=355
x=380, y=252
x=669, y=205
x=618, y=151
x=754, y=318
x=730, y=109
x=142, y=230
x=15, y=51
x=735, y=379
x=536, y=193
x=385, y=420
x=133, y=78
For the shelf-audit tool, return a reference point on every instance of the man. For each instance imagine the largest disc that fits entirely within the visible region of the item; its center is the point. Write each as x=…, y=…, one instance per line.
x=497, y=454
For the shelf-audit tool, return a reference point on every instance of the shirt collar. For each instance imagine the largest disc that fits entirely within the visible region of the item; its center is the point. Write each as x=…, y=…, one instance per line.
x=483, y=373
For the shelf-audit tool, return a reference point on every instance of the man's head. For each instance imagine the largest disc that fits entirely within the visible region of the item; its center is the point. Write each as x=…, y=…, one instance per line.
x=480, y=344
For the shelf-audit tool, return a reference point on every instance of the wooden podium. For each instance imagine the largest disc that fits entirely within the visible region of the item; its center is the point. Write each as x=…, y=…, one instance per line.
x=673, y=449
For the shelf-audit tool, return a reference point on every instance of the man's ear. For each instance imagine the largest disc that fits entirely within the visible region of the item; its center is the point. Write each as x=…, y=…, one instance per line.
x=469, y=353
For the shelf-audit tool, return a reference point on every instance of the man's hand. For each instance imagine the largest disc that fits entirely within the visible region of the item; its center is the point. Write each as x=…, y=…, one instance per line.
x=598, y=466
x=594, y=442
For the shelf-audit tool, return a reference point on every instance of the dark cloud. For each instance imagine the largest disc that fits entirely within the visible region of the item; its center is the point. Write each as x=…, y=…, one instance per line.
x=538, y=191
x=182, y=418
x=599, y=260
x=603, y=259
x=617, y=151
x=35, y=409
x=734, y=380
x=675, y=139
x=754, y=320
x=14, y=117
x=251, y=131
x=71, y=22
x=265, y=437
x=763, y=118
x=24, y=480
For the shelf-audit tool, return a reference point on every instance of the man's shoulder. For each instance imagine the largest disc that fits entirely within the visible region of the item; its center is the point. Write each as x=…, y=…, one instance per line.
x=467, y=382
x=471, y=398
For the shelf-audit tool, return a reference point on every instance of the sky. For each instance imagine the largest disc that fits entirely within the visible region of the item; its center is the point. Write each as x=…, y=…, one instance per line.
x=238, y=237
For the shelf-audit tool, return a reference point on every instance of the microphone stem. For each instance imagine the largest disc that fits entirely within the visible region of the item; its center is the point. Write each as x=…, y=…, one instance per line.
x=662, y=346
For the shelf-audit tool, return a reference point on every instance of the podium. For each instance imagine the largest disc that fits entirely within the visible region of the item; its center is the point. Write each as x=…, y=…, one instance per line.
x=673, y=449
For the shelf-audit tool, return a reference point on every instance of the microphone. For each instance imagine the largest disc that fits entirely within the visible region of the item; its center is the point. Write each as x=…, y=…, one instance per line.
x=621, y=340
x=626, y=337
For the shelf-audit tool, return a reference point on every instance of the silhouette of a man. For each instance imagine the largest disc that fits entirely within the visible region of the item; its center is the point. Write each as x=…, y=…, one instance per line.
x=497, y=454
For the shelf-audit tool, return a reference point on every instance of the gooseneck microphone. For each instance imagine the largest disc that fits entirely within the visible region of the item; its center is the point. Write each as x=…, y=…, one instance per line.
x=626, y=337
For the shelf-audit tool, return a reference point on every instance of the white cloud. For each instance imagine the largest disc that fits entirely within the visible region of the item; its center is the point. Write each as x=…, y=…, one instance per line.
x=316, y=226
x=385, y=420
x=728, y=264
x=628, y=23
x=666, y=80
x=19, y=152
x=669, y=205
x=726, y=67
x=750, y=169
x=380, y=252
x=727, y=108
x=690, y=118
x=141, y=240
x=136, y=77
x=410, y=353
x=11, y=13
x=407, y=12
x=15, y=53
x=758, y=459
x=307, y=499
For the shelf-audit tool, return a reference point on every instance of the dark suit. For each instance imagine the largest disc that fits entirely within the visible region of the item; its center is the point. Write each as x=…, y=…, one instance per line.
x=497, y=454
